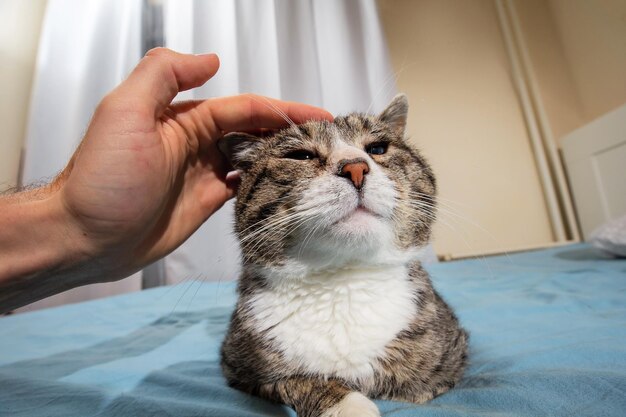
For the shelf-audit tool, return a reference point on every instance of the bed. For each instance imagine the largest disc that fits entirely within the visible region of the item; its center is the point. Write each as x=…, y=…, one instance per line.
x=548, y=338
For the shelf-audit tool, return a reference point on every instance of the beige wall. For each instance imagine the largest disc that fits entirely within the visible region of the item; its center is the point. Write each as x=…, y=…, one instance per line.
x=551, y=68
x=20, y=24
x=466, y=117
x=578, y=54
x=593, y=34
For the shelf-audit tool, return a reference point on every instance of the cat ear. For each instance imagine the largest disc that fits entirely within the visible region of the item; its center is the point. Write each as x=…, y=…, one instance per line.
x=395, y=114
x=237, y=147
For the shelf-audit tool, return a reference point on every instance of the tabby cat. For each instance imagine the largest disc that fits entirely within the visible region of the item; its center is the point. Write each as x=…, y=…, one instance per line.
x=334, y=308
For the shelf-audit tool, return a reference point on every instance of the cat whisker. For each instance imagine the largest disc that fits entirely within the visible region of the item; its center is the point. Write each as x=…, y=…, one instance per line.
x=463, y=235
x=393, y=76
x=268, y=220
x=292, y=220
x=253, y=238
x=298, y=212
x=436, y=197
x=277, y=110
x=459, y=219
x=252, y=245
x=306, y=239
x=188, y=283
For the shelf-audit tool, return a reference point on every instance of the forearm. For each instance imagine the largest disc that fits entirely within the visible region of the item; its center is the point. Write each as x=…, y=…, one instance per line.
x=40, y=253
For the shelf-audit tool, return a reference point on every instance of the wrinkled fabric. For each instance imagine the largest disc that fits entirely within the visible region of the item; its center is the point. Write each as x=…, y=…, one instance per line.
x=611, y=237
x=548, y=333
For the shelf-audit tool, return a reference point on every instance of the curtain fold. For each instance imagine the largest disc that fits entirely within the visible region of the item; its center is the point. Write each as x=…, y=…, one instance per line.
x=86, y=48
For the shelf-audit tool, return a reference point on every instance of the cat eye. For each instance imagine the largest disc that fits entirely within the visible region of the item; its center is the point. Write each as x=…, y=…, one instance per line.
x=300, y=155
x=378, y=148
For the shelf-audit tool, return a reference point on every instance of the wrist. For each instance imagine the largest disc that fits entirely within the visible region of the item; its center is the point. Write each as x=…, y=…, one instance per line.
x=38, y=244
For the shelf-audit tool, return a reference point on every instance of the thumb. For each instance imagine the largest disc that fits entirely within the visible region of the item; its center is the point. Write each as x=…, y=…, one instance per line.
x=163, y=73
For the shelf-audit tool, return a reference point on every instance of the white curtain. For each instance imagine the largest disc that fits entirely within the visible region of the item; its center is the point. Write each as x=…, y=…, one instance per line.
x=327, y=53
x=86, y=48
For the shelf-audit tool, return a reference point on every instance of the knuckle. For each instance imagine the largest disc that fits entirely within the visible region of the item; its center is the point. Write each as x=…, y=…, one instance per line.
x=252, y=96
x=108, y=103
x=115, y=104
x=158, y=51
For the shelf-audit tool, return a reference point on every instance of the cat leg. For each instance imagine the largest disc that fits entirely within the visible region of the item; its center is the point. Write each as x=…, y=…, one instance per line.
x=314, y=397
x=352, y=405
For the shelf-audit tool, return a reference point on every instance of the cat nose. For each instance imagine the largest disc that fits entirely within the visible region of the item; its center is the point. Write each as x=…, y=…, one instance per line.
x=354, y=170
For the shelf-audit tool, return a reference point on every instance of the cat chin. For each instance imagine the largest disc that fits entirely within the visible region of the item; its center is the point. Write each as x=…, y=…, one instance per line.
x=325, y=260
x=359, y=230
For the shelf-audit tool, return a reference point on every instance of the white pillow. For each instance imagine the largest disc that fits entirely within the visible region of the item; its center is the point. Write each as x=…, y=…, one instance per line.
x=611, y=237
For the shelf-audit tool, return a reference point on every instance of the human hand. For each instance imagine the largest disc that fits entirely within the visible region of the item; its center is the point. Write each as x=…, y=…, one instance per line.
x=148, y=172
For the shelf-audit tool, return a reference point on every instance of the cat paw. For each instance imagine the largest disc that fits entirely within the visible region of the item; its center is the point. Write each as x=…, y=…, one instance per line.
x=354, y=404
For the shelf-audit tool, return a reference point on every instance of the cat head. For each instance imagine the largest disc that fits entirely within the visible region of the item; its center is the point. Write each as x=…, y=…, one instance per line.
x=322, y=195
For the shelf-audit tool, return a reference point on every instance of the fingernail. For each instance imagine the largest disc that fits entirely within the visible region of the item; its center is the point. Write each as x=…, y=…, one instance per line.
x=208, y=54
x=233, y=176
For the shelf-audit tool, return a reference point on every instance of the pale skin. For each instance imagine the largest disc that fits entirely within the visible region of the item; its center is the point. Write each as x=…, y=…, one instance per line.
x=146, y=175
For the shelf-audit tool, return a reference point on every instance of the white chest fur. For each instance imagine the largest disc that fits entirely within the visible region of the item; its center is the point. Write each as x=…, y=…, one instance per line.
x=337, y=323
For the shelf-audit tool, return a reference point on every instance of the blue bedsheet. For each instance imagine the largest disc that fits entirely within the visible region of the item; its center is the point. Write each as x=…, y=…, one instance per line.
x=548, y=338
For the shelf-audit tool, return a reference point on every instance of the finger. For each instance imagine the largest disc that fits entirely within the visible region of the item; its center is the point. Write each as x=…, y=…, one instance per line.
x=232, y=180
x=249, y=112
x=262, y=132
x=163, y=73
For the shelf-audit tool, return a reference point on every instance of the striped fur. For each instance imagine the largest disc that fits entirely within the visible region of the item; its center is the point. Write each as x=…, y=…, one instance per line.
x=332, y=301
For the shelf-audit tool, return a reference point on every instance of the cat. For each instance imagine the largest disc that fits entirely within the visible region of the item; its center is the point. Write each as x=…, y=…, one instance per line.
x=334, y=308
